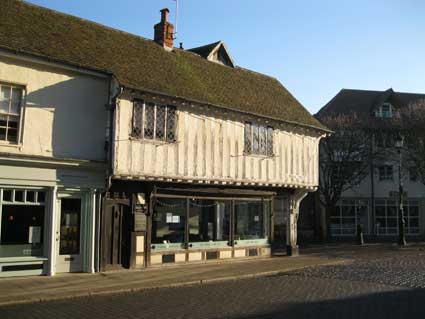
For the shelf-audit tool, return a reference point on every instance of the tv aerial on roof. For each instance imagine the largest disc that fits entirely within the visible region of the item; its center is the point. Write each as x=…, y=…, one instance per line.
x=176, y=19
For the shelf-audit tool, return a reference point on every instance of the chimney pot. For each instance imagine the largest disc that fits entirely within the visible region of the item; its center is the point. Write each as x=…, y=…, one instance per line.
x=164, y=14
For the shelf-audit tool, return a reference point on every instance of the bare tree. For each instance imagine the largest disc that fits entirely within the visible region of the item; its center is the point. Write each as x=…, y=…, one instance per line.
x=345, y=158
x=413, y=131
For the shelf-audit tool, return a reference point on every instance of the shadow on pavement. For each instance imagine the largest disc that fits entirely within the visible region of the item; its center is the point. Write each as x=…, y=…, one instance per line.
x=396, y=304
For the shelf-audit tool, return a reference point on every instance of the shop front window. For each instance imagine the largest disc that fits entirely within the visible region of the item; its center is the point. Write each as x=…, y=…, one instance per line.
x=22, y=223
x=387, y=217
x=209, y=223
x=196, y=223
x=348, y=214
x=168, y=223
x=250, y=222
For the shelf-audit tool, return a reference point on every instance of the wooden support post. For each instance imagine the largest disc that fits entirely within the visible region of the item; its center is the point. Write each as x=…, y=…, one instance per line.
x=292, y=221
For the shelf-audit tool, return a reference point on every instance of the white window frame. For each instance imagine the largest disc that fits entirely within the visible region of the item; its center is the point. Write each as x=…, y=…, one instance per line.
x=19, y=116
x=386, y=176
x=380, y=112
x=393, y=231
x=342, y=229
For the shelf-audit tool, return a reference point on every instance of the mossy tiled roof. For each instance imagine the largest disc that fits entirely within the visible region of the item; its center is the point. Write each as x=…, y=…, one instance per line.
x=142, y=64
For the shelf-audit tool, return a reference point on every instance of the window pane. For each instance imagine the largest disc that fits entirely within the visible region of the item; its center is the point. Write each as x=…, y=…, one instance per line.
x=19, y=196
x=137, y=118
x=413, y=211
x=168, y=223
x=12, y=135
x=392, y=222
x=149, y=120
x=4, y=99
x=270, y=141
x=256, y=139
x=41, y=197
x=2, y=134
x=209, y=220
x=160, y=122
x=391, y=211
x=30, y=196
x=171, y=123
x=262, y=140
x=248, y=138
x=7, y=195
x=16, y=101
x=348, y=211
x=70, y=226
x=413, y=222
x=249, y=221
x=362, y=218
x=381, y=222
x=22, y=231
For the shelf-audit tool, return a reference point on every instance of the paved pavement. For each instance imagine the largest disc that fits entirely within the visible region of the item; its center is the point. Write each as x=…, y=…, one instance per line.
x=380, y=282
x=41, y=288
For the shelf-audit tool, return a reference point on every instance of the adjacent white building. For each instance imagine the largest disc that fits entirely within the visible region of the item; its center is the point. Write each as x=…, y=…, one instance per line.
x=374, y=201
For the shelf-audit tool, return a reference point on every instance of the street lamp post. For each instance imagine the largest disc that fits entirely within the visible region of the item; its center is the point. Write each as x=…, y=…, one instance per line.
x=401, y=222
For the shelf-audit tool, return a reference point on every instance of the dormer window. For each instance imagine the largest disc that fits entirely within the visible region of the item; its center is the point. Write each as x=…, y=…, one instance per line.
x=386, y=110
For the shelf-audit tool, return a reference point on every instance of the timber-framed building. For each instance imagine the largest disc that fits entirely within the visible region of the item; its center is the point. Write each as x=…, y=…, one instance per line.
x=203, y=160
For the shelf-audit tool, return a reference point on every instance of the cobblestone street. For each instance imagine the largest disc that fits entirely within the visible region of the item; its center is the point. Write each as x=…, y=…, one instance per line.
x=378, y=283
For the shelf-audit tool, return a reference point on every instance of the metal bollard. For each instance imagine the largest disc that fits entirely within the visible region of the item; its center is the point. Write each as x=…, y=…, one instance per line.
x=360, y=240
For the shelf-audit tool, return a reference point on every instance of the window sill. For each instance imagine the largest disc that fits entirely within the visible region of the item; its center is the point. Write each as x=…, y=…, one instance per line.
x=264, y=156
x=21, y=259
x=10, y=144
x=149, y=141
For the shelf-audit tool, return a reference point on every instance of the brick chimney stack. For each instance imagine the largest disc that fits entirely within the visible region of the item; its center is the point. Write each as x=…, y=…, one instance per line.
x=164, y=31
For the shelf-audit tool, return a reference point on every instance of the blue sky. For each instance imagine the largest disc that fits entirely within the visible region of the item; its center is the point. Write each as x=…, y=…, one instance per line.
x=313, y=47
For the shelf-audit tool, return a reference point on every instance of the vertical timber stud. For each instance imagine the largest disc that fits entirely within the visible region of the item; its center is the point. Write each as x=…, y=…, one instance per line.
x=292, y=221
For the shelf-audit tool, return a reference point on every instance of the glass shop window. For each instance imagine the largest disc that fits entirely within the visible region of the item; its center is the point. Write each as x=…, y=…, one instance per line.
x=209, y=221
x=168, y=223
x=250, y=220
x=22, y=223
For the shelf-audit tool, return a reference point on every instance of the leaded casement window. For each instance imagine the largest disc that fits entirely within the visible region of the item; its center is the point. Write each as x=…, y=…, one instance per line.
x=258, y=139
x=154, y=121
x=386, y=173
x=10, y=111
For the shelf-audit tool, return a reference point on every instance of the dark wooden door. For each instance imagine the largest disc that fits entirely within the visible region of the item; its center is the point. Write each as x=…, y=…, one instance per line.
x=279, y=223
x=115, y=233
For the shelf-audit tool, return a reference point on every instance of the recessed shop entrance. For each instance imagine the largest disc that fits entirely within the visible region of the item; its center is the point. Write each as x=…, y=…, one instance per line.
x=116, y=234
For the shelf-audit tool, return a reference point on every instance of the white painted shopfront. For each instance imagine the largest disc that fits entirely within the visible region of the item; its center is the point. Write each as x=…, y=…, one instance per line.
x=48, y=219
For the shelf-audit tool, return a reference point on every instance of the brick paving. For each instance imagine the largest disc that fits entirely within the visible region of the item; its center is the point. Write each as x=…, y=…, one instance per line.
x=379, y=283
